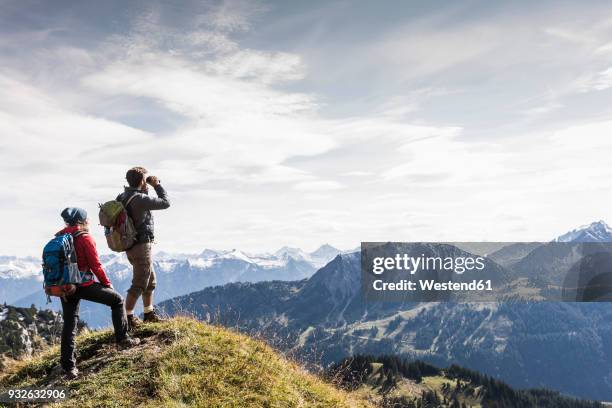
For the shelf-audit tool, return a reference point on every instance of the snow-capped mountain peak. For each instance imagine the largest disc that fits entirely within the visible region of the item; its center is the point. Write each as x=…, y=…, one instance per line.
x=597, y=231
x=209, y=253
x=177, y=273
x=326, y=251
x=236, y=254
x=118, y=266
x=19, y=268
x=295, y=253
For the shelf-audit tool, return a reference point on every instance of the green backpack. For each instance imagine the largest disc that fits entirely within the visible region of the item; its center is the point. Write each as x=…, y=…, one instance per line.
x=118, y=226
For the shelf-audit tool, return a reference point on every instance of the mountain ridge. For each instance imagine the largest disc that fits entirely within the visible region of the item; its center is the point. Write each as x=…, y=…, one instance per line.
x=176, y=274
x=325, y=314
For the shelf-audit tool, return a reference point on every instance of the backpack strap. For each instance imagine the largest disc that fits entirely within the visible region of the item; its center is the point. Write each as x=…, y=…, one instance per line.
x=127, y=203
x=130, y=200
x=79, y=233
x=74, y=234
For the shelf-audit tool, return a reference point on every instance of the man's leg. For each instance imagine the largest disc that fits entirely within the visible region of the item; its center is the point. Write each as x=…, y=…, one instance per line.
x=140, y=258
x=70, y=313
x=147, y=298
x=147, y=301
x=130, y=302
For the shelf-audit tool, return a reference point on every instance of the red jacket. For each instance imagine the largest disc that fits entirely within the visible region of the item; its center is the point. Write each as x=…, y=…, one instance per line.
x=87, y=256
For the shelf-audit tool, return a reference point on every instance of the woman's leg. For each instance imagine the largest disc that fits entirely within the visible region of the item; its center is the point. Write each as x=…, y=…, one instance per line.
x=70, y=313
x=107, y=296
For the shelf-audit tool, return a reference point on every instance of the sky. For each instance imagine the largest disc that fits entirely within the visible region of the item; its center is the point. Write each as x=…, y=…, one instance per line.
x=303, y=123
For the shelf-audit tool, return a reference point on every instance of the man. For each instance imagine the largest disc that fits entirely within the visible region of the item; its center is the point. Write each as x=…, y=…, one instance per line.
x=139, y=209
x=101, y=291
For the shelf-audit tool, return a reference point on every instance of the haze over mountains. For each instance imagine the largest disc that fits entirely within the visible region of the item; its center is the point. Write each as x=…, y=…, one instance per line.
x=21, y=276
x=177, y=274
x=563, y=346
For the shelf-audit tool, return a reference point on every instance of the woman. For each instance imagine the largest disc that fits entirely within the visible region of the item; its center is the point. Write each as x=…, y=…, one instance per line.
x=100, y=291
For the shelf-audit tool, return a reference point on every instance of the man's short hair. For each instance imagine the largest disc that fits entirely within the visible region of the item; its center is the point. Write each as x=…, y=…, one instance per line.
x=135, y=175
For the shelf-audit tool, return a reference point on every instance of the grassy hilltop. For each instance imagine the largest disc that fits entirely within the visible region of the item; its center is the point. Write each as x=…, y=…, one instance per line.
x=180, y=363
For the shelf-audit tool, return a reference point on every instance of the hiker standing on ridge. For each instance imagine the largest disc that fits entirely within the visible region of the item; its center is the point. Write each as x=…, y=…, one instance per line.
x=77, y=224
x=139, y=209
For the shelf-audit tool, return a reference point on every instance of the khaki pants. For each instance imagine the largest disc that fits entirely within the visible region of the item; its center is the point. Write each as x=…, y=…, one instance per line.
x=143, y=279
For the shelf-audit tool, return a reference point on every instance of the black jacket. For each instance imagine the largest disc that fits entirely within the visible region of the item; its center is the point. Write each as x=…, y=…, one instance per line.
x=140, y=210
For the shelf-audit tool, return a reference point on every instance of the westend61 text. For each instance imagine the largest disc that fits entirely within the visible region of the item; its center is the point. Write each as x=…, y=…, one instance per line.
x=429, y=285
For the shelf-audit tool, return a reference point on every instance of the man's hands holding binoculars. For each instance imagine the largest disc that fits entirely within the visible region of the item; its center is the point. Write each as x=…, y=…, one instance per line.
x=153, y=181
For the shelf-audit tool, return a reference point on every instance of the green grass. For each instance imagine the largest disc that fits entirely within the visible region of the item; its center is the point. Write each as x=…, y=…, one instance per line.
x=435, y=383
x=181, y=363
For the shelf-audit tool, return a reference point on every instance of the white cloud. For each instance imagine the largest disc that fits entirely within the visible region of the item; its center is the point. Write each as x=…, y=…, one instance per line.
x=357, y=174
x=232, y=15
x=261, y=66
x=543, y=109
x=599, y=82
x=433, y=50
x=253, y=158
x=319, y=185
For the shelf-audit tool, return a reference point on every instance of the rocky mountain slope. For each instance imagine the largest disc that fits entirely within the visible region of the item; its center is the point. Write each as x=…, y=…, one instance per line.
x=24, y=331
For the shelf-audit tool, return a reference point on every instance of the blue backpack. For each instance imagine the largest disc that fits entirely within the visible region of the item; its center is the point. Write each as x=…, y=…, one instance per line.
x=60, y=267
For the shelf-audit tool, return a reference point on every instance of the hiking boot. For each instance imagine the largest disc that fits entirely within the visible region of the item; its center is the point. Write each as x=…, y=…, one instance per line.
x=128, y=342
x=133, y=322
x=66, y=374
x=152, y=317
x=71, y=374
